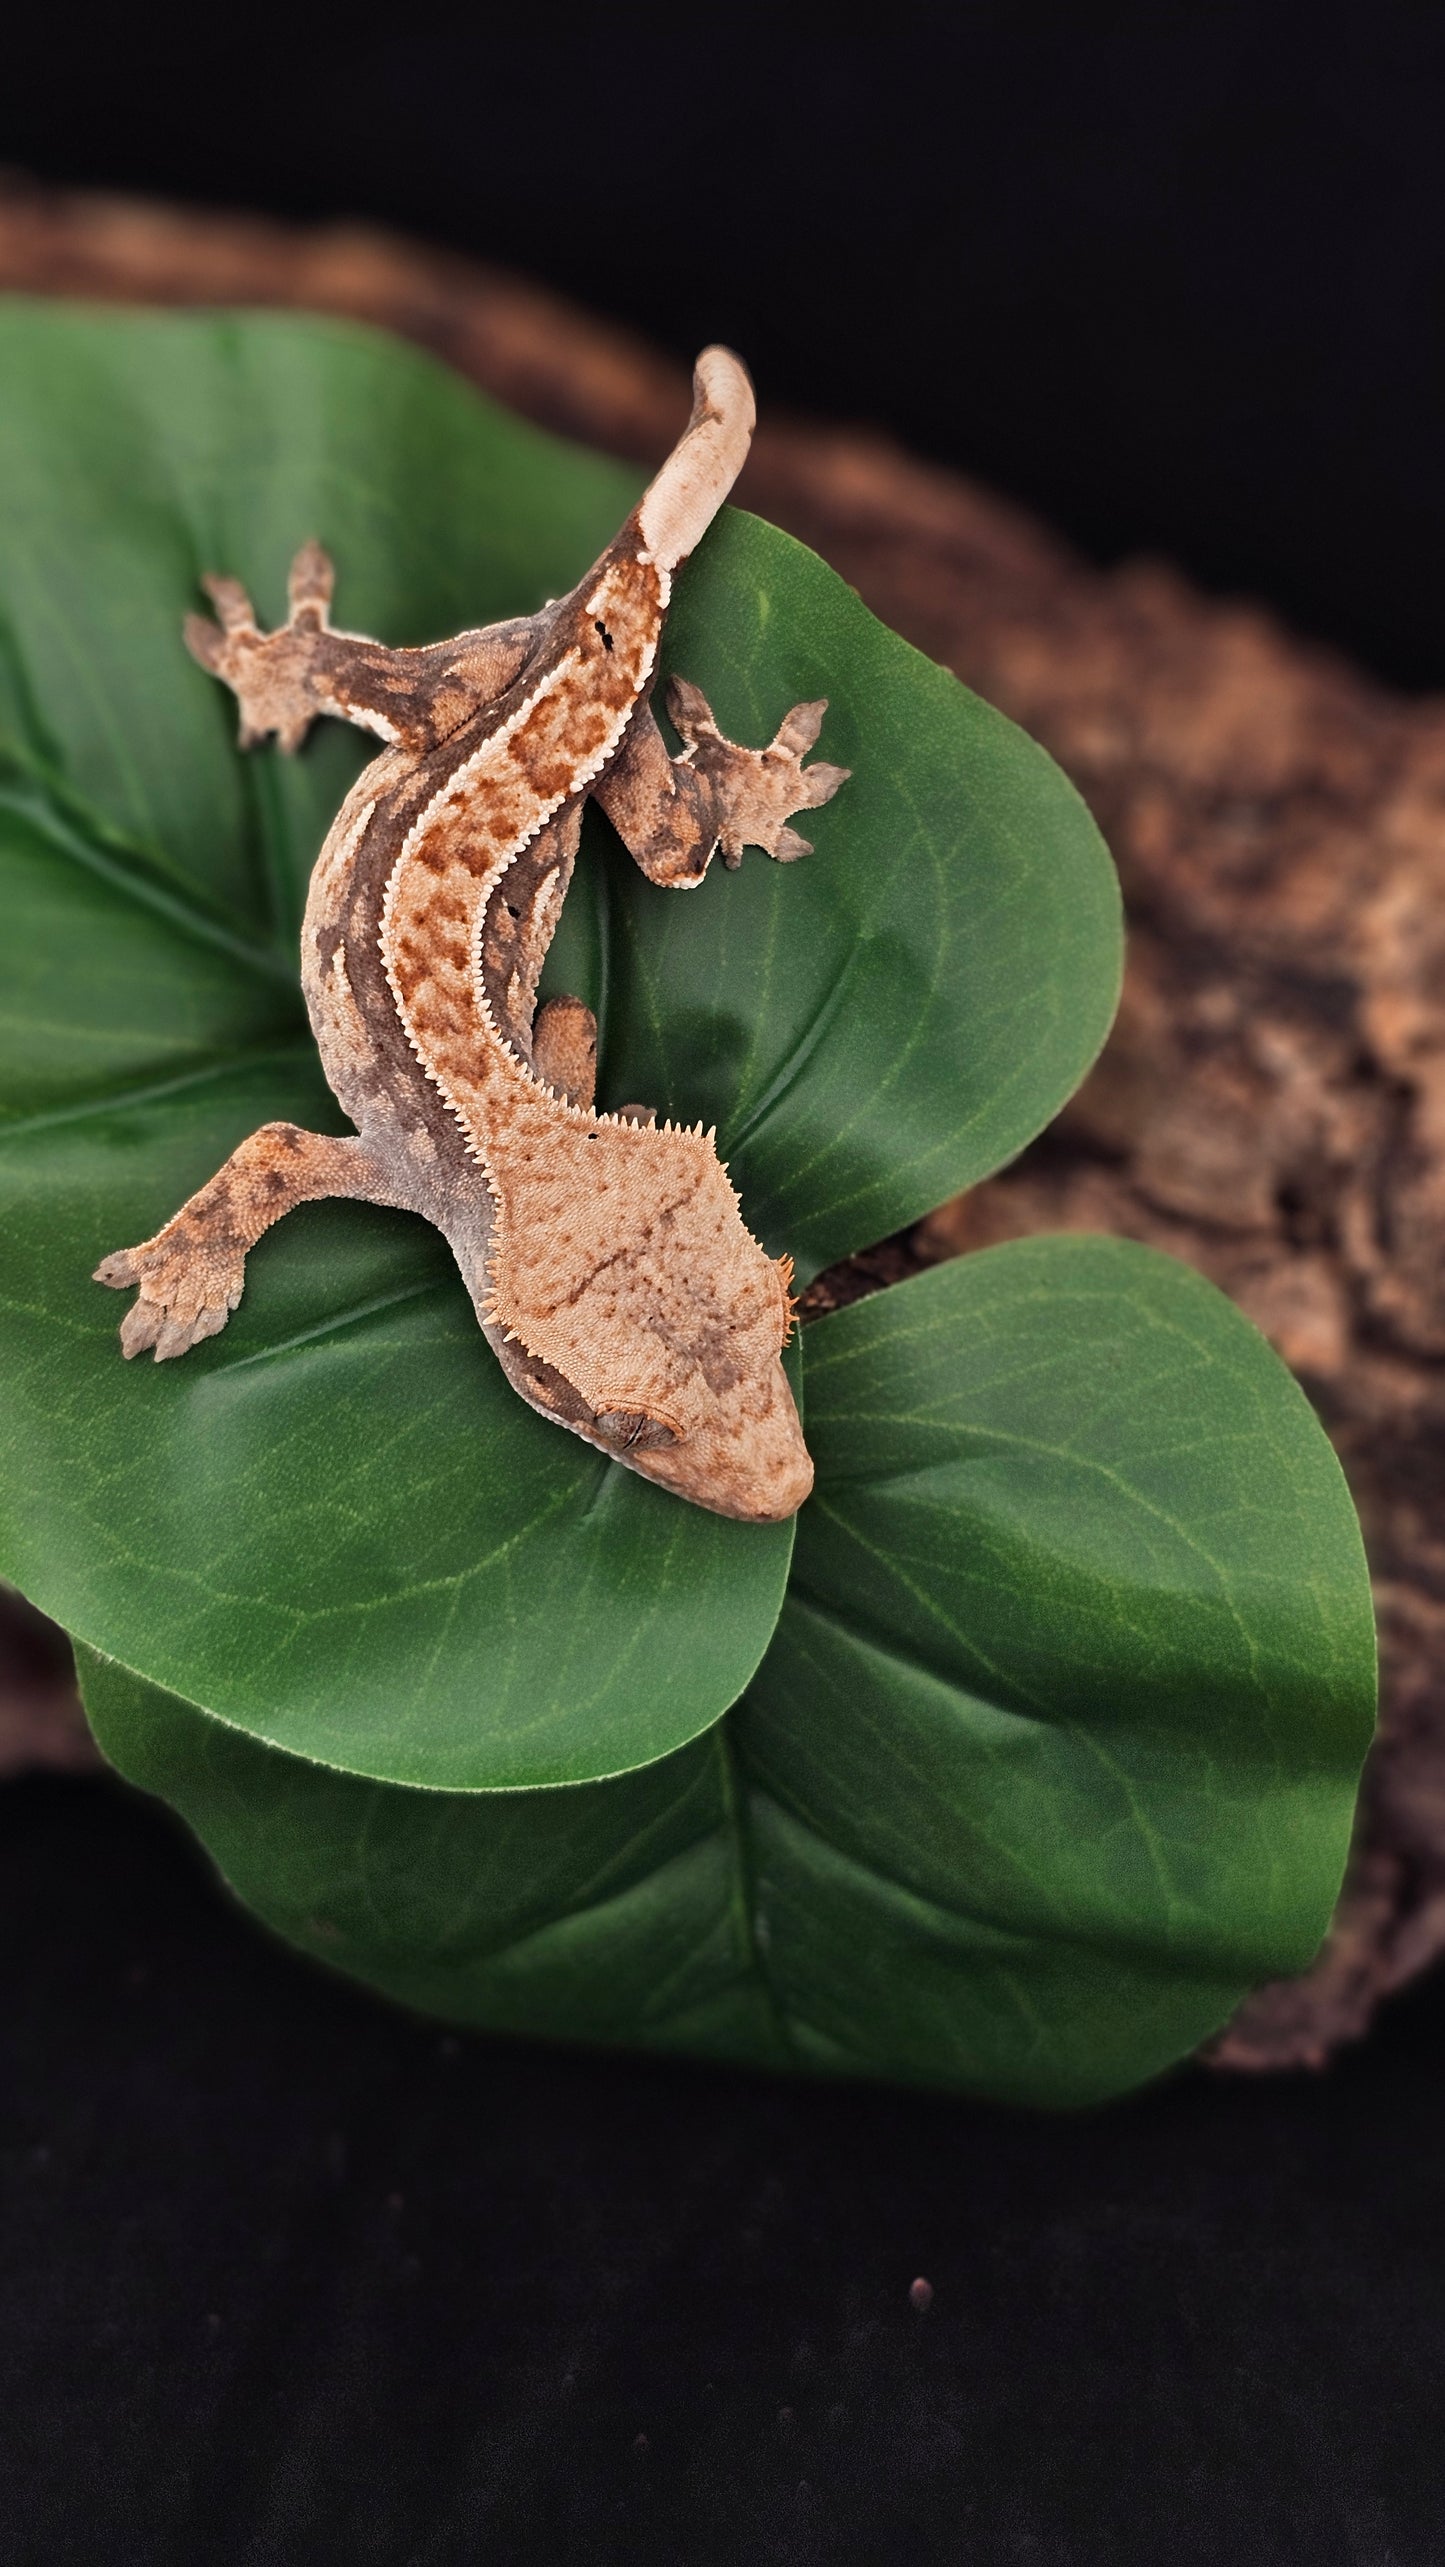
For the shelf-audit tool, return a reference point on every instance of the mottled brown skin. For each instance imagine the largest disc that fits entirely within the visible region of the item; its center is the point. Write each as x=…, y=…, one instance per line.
x=605, y=1253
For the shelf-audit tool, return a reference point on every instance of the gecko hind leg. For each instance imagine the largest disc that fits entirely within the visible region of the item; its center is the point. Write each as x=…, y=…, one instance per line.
x=272, y=675
x=755, y=791
x=190, y=1276
x=672, y=814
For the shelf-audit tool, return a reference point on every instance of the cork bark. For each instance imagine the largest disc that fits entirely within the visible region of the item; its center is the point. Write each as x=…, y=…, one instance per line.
x=1272, y=1104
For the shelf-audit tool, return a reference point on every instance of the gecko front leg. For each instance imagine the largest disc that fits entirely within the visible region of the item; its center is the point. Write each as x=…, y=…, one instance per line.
x=191, y=1274
x=672, y=814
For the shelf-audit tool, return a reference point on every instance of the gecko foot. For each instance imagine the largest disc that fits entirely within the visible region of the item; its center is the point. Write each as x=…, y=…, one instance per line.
x=270, y=673
x=756, y=791
x=188, y=1289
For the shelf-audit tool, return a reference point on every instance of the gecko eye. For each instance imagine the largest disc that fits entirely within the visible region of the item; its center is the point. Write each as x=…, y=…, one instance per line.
x=631, y=1430
x=601, y=628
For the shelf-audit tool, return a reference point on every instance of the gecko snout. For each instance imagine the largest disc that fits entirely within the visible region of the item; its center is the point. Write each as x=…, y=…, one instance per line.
x=750, y=1463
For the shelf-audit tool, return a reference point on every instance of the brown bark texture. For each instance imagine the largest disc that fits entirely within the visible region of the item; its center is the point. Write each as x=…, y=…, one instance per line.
x=1271, y=1106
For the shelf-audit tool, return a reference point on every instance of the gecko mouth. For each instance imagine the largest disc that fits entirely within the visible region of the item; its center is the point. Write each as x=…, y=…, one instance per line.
x=756, y=1469
x=747, y=1460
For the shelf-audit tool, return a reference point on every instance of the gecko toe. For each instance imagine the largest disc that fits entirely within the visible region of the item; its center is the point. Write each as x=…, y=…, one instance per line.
x=140, y=1328
x=118, y=1271
x=801, y=727
x=176, y=1337
x=689, y=708
x=309, y=586
x=232, y=605
x=205, y=641
x=821, y=783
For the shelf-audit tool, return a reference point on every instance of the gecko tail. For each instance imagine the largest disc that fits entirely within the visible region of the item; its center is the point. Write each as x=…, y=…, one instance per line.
x=681, y=502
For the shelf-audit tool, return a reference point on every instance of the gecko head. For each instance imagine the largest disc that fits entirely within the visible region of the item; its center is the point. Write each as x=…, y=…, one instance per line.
x=646, y=1317
x=729, y=1438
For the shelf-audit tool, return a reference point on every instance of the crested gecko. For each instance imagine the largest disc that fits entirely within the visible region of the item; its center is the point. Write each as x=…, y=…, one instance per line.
x=605, y=1253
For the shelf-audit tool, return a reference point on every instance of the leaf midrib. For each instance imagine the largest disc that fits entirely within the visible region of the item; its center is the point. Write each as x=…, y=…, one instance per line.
x=71, y=826
x=743, y=1898
x=125, y=1100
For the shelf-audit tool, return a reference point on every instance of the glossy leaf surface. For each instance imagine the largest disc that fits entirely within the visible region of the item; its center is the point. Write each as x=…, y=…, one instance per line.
x=1052, y=1757
x=335, y=1527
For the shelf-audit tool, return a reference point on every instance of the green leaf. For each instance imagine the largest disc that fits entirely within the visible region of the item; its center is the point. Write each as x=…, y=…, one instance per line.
x=343, y=1531
x=1052, y=1757
x=883, y=1025
x=1082, y=1621
x=1049, y=1753
x=335, y=1527
x=137, y=452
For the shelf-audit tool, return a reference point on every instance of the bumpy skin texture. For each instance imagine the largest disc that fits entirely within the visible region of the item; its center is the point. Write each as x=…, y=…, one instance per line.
x=605, y=1253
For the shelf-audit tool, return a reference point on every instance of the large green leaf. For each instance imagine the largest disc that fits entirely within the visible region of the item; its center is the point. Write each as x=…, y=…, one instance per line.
x=1049, y=1752
x=335, y=1527
x=1052, y=1757
x=877, y=1028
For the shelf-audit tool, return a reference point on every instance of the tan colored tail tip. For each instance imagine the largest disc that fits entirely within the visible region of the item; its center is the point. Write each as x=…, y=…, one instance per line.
x=682, y=502
x=722, y=388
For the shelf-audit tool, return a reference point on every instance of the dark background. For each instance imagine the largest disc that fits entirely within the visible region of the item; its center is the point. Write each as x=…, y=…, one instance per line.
x=288, y=2277
x=1175, y=274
